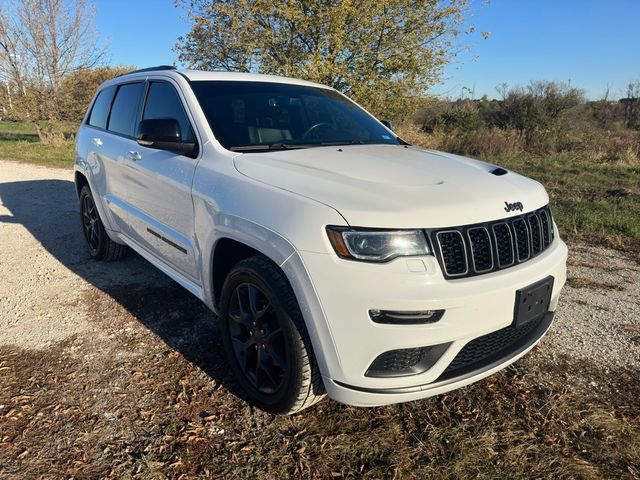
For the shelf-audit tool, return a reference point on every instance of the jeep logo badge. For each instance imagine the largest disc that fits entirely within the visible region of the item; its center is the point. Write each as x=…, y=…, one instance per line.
x=510, y=207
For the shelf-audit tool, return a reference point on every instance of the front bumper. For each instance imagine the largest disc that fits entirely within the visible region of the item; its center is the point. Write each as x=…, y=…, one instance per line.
x=336, y=296
x=371, y=397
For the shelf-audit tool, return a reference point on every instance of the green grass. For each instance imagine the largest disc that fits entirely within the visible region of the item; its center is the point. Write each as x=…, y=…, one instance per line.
x=594, y=202
x=19, y=141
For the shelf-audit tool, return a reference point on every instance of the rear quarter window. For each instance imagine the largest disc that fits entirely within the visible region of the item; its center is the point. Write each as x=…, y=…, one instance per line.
x=100, y=110
x=124, y=111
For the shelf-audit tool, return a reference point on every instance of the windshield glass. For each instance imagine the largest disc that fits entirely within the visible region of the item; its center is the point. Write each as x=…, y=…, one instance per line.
x=255, y=116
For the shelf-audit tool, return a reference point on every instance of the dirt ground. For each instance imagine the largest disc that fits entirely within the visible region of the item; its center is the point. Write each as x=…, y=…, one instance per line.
x=113, y=370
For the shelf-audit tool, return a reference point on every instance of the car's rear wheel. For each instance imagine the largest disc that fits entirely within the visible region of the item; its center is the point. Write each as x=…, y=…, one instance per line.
x=101, y=247
x=266, y=340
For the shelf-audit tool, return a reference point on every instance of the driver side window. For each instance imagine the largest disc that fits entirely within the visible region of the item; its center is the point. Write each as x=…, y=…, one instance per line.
x=163, y=102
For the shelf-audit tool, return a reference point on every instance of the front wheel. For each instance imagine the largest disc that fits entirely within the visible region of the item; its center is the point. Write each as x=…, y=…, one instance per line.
x=266, y=340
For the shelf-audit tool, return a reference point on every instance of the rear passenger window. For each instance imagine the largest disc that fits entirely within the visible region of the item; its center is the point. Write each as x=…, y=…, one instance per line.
x=163, y=102
x=125, y=109
x=100, y=110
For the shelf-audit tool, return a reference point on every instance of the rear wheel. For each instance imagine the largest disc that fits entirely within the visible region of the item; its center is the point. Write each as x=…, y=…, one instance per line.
x=101, y=247
x=266, y=340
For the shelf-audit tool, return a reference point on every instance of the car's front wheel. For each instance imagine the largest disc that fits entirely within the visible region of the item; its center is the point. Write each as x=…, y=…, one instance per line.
x=266, y=340
x=101, y=247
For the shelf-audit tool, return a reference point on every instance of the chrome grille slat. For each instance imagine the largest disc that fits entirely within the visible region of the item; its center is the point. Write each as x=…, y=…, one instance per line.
x=481, y=249
x=503, y=239
x=521, y=235
x=544, y=222
x=535, y=229
x=477, y=249
x=452, y=248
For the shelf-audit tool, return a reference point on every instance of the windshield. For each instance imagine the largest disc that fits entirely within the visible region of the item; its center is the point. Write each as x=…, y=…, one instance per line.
x=256, y=116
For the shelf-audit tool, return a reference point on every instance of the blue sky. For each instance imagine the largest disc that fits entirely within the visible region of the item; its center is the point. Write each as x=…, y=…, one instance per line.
x=594, y=44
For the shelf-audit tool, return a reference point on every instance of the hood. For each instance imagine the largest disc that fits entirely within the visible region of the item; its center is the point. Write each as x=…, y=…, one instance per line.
x=393, y=186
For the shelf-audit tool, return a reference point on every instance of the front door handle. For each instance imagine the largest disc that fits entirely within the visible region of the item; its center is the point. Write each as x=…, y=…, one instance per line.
x=96, y=141
x=134, y=156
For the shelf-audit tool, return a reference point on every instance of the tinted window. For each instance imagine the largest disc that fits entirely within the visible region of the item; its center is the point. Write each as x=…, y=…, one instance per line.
x=125, y=109
x=100, y=110
x=262, y=114
x=163, y=102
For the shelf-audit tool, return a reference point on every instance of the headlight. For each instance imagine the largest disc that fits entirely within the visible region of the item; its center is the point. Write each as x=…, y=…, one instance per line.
x=377, y=245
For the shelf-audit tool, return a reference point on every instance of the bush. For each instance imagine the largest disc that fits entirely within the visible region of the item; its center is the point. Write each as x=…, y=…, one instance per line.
x=543, y=118
x=78, y=89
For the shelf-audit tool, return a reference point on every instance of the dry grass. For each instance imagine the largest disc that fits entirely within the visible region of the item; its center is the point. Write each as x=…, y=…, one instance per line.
x=129, y=405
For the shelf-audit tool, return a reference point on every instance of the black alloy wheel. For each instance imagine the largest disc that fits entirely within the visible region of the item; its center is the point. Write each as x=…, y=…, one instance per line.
x=266, y=339
x=257, y=339
x=90, y=224
x=101, y=247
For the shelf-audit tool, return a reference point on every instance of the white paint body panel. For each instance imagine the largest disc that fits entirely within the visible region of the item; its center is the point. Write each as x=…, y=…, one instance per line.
x=280, y=204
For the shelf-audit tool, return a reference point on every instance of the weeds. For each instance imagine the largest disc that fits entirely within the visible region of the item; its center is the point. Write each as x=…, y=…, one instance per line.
x=59, y=419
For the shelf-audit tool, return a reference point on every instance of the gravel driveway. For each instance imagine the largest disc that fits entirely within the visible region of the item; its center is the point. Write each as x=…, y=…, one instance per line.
x=112, y=370
x=47, y=277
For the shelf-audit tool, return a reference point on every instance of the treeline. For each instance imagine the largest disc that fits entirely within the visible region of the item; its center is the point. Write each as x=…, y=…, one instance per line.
x=542, y=118
x=72, y=96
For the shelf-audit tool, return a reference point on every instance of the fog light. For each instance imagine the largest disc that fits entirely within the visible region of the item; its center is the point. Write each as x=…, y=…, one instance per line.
x=406, y=318
x=406, y=361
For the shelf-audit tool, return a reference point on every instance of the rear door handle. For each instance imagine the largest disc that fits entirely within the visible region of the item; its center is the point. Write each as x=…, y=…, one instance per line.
x=96, y=141
x=134, y=156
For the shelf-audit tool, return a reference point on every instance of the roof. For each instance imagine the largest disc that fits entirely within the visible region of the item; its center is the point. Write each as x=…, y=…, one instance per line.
x=203, y=75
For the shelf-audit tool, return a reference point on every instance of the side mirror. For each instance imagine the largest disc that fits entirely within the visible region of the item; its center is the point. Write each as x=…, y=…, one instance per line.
x=387, y=124
x=163, y=134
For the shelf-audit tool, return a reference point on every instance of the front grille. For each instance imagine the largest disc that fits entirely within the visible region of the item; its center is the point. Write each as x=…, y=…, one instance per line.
x=486, y=247
x=483, y=350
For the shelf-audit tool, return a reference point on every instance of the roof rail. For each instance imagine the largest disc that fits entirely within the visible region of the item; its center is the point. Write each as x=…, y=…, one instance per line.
x=150, y=69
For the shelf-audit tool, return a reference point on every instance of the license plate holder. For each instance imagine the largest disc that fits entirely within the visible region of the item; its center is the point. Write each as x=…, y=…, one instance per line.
x=533, y=301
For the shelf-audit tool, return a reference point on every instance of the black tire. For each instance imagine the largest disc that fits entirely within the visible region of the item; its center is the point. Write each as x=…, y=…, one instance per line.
x=266, y=339
x=101, y=247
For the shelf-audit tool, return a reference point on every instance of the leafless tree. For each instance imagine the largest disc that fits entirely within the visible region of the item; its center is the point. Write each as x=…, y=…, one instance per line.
x=41, y=43
x=632, y=105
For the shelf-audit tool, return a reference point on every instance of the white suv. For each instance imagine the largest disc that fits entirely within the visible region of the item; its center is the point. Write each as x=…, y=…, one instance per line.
x=337, y=257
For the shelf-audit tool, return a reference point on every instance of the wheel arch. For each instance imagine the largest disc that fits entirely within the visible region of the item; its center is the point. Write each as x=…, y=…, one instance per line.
x=237, y=239
x=82, y=178
x=80, y=181
x=295, y=273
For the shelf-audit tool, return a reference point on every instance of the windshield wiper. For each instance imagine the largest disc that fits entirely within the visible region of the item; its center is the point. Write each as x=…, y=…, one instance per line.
x=271, y=146
x=292, y=146
x=340, y=142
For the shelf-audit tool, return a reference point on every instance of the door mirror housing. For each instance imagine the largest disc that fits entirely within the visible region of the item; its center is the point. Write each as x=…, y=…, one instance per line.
x=163, y=134
x=388, y=124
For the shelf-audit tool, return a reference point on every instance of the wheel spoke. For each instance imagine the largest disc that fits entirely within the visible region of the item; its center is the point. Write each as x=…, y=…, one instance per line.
x=273, y=335
x=242, y=293
x=257, y=303
x=275, y=357
x=243, y=316
x=243, y=347
x=269, y=375
x=256, y=338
